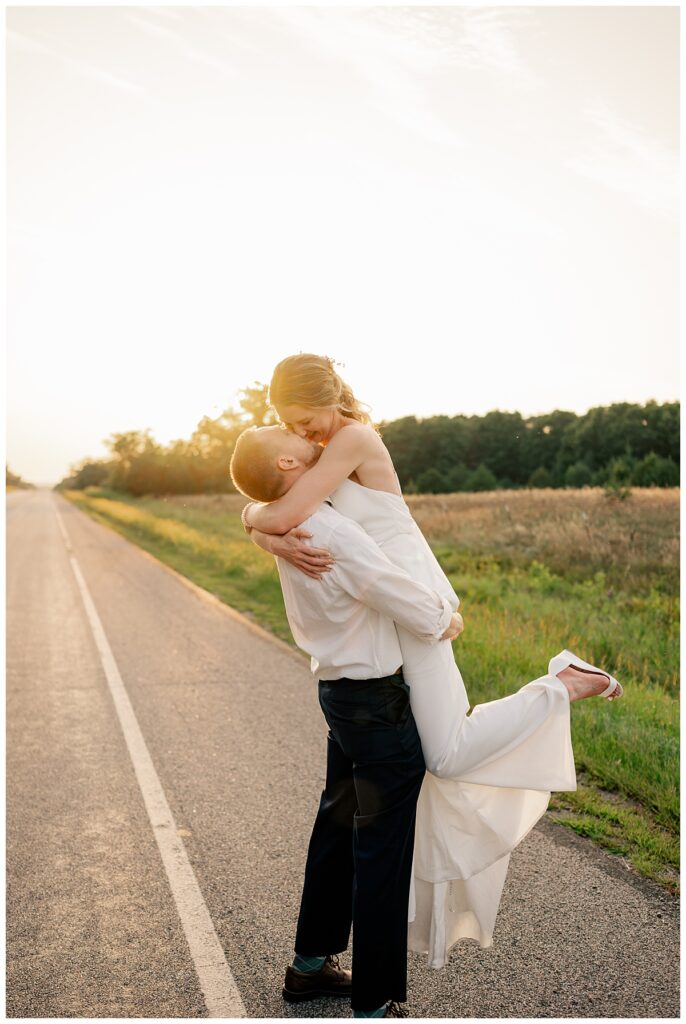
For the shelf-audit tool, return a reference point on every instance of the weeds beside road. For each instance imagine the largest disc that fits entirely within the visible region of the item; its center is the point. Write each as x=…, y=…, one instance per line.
x=536, y=571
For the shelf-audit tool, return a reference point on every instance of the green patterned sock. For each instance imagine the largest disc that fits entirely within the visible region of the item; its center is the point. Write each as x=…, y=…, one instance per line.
x=370, y=1013
x=308, y=964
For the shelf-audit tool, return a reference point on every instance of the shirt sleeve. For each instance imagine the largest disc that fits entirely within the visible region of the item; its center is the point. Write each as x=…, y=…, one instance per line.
x=364, y=571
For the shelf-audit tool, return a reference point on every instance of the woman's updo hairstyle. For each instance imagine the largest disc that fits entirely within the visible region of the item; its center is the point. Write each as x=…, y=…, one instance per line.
x=312, y=381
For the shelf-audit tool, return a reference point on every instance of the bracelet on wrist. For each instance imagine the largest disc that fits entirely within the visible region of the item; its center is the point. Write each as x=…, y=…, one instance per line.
x=244, y=517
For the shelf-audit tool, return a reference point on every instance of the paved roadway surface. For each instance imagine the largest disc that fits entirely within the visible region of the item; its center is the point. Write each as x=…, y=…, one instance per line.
x=232, y=724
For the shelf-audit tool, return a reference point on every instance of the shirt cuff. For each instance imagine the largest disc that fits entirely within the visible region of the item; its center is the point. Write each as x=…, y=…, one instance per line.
x=444, y=621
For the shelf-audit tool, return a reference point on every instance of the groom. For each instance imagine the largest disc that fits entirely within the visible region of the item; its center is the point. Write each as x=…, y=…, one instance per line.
x=360, y=854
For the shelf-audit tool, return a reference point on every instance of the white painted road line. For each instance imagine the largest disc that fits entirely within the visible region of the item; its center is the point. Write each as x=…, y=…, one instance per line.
x=219, y=988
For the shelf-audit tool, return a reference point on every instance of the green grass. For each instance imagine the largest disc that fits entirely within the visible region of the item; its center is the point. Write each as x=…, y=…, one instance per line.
x=622, y=827
x=517, y=618
x=517, y=615
x=207, y=545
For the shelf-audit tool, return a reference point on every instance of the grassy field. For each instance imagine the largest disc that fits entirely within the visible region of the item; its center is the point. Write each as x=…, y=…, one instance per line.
x=536, y=571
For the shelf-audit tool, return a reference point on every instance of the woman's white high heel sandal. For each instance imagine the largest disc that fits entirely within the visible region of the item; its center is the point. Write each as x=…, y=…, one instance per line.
x=565, y=659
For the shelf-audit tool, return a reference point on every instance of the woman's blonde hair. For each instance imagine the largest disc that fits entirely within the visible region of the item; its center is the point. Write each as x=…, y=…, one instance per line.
x=312, y=381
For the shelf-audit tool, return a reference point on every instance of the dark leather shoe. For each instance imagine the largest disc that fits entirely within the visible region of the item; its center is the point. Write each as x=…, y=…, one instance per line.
x=331, y=980
x=395, y=1010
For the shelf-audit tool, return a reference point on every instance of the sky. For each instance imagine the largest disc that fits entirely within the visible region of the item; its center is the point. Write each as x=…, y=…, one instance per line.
x=469, y=208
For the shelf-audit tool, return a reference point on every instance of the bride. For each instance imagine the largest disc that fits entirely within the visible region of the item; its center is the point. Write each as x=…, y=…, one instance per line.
x=491, y=772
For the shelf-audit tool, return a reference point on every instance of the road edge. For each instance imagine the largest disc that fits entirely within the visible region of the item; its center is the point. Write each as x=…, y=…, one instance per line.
x=204, y=595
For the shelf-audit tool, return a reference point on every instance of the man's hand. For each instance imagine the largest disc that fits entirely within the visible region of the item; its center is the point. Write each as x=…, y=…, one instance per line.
x=291, y=547
x=455, y=627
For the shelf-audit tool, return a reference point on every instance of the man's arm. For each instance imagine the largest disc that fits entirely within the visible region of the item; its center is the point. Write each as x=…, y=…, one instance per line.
x=363, y=571
x=291, y=546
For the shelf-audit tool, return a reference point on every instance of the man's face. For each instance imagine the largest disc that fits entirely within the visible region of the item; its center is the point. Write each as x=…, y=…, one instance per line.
x=293, y=446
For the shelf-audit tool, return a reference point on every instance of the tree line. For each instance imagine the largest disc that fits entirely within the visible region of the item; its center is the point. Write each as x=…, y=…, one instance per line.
x=615, y=446
x=14, y=480
x=621, y=444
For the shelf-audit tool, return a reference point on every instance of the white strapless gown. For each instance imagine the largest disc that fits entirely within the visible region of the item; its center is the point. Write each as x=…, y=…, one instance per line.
x=492, y=771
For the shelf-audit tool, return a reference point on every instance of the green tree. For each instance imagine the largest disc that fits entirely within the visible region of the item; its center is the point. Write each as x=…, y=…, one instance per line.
x=482, y=479
x=605, y=433
x=655, y=471
x=125, y=447
x=498, y=442
x=89, y=473
x=544, y=442
x=415, y=445
x=457, y=478
x=541, y=477
x=621, y=469
x=14, y=480
x=432, y=481
x=402, y=439
x=618, y=477
x=578, y=475
x=255, y=406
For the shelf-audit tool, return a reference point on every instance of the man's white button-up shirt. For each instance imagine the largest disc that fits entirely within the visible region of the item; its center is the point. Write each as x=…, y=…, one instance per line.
x=346, y=619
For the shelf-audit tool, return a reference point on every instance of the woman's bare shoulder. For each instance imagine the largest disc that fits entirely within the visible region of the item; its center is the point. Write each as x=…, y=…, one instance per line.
x=374, y=465
x=356, y=435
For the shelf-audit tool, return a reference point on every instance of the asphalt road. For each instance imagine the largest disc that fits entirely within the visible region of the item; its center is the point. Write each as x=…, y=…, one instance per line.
x=232, y=724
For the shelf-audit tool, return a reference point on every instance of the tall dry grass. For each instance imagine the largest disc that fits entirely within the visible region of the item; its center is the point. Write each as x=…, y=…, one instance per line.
x=574, y=532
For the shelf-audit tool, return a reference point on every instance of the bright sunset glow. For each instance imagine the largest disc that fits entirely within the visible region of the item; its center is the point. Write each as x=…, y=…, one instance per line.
x=471, y=208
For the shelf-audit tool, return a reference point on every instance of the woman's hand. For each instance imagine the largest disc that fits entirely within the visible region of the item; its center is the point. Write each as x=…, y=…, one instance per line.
x=291, y=547
x=455, y=627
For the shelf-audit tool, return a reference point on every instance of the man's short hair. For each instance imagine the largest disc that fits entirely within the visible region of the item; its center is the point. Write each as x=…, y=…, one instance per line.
x=253, y=467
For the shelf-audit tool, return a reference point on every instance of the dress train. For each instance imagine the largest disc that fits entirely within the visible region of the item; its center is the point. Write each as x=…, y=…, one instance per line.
x=498, y=767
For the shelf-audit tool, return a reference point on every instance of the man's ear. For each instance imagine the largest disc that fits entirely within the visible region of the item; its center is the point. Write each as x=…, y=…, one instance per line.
x=286, y=462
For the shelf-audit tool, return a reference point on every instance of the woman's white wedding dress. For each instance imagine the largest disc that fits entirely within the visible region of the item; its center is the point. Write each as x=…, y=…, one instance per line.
x=493, y=770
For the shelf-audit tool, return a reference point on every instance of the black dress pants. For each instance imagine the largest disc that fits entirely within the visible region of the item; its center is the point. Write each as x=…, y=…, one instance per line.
x=360, y=854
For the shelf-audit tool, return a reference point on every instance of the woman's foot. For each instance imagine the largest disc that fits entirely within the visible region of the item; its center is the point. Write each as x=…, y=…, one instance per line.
x=581, y=679
x=582, y=683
